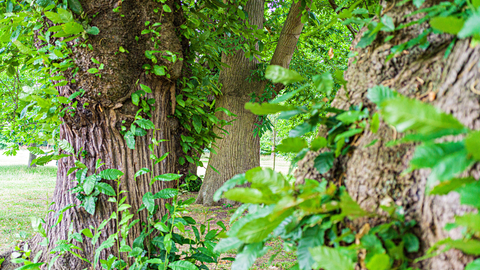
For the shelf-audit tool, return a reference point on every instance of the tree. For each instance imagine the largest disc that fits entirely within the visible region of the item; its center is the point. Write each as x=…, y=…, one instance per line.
x=239, y=150
x=102, y=82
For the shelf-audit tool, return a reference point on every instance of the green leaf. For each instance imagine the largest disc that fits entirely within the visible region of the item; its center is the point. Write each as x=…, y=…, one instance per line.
x=331, y=259
x=379, y=262
x=323, y=83
x=292, y=145
x=145, y=123
x=142, y=171
x=350, y=208
x=367, y=39
x=166, y=193
x=245, y=259
x=149, y=201
x=312, y=237
x=247, y=195
x=420, y=117
x=266, y=108
x=348, y=134
x=472, y=144
x=411, y=242
x=476, y=3
x=286, y=96
x=65, y=15
x=66, y=146
x=469, y=220
x=75, y=6
x=301, y=130
x=449, y=25
x=266, y=178
x=135, y=100
x=429, y=155
x=22, y=48
x=111, y=174
x=475, y=265
x=350, y=117
x=92, y=70
x=105, y=189
x=238, y=179
x=31, y=266
x=258, y=230
x=159, y=70
x=418, y=3
x=447, y=186
x=166, y=8
x=375, y=123
x=380, y=93
x=89, y=204
x=146, y=88
x=388, y=25
x=54, y=17
x=182, y=265
x=467, y=246
x=228, y=244
x=130, y=139
x=197, y=123
x=318, y=143
x=92, y=30
x=161, y=227
x=36, y=150
x=471, y=26
x=324, y=162
x=470, y=193
x=278, y=74
x=167, y=177
x=72, y=28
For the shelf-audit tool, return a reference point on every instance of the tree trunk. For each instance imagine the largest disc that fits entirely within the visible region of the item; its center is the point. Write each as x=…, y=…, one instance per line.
x=31, y=157
x=94, y=129
x=373, y=174
x=239, y=150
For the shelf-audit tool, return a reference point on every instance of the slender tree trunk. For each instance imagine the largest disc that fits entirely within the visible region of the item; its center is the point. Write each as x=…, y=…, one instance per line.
x=31, y=157
x=239, y=150
x=372, y=174
x=94, y=129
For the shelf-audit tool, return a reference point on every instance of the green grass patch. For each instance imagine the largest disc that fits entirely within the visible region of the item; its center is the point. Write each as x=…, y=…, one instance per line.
x=25, y=193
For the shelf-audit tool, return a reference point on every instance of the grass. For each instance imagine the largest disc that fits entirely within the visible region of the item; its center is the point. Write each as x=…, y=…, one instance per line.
x=27, y=191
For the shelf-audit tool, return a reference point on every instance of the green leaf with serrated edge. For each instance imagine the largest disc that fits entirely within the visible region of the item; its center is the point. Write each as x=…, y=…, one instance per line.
x=75, y=6
x=379, y=262
x=380, y=93
x=301, y=130
x=89, y=184
x=451, y=185
x=449, y=25
x=149, y=202
x=323, y=83
x=420, y=117
x=471, y=26
x=411, y=242
x=263, y=178
x=166, y=177
x=146, y=88
x=142, y=171
x=475, y=265
x=472, y=144
x=245, y=259
x=311, y=237
x=266, y=108
x=318, y=143
x=72, y=28
x=287, y=96
x=182, y=265
x=166, y=193
x=54, y=17
x=247, y=195
x=145, y=123
x=36, y=150
x=130, y=139
x=350, y=208
x=238, y=179
x=65, y=15
x=278, y=74
x=430, y=154
x=65, y=146
x=470, y=193
x=106, y=189
x=292, y=145
x=349, y=117
x=258, y=230
x=228, y=244
x=324, y=162
x=111, y=174
x=469, y=220
x=331, y=259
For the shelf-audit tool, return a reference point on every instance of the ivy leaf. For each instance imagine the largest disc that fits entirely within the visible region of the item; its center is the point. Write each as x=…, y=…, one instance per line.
x=331, y=258
x=166, y=193
x=110, y=174
x=75, y=6
x=324, y=162
x=472, y=144
x=292, y=145
x=420, y=117
x=278, y=74
x=471, y=26
x=149, y=201
x=245, y=259
x=450, y=25
x=447, y=186
x=266, y=108
x=105, y=189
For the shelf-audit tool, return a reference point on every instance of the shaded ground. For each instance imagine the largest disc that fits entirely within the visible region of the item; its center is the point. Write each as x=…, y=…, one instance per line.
x=25, y=193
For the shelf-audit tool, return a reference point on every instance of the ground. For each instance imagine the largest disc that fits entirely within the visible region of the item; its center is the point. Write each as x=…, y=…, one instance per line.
x=26, y=193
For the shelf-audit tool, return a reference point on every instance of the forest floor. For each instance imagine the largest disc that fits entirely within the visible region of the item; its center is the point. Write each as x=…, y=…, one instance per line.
x=25, y=192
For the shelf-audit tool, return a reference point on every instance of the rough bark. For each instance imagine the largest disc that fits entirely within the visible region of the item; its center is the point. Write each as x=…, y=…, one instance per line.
x=373, y=174
x=31, y=157
x=96, y=127
x=239, y=150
